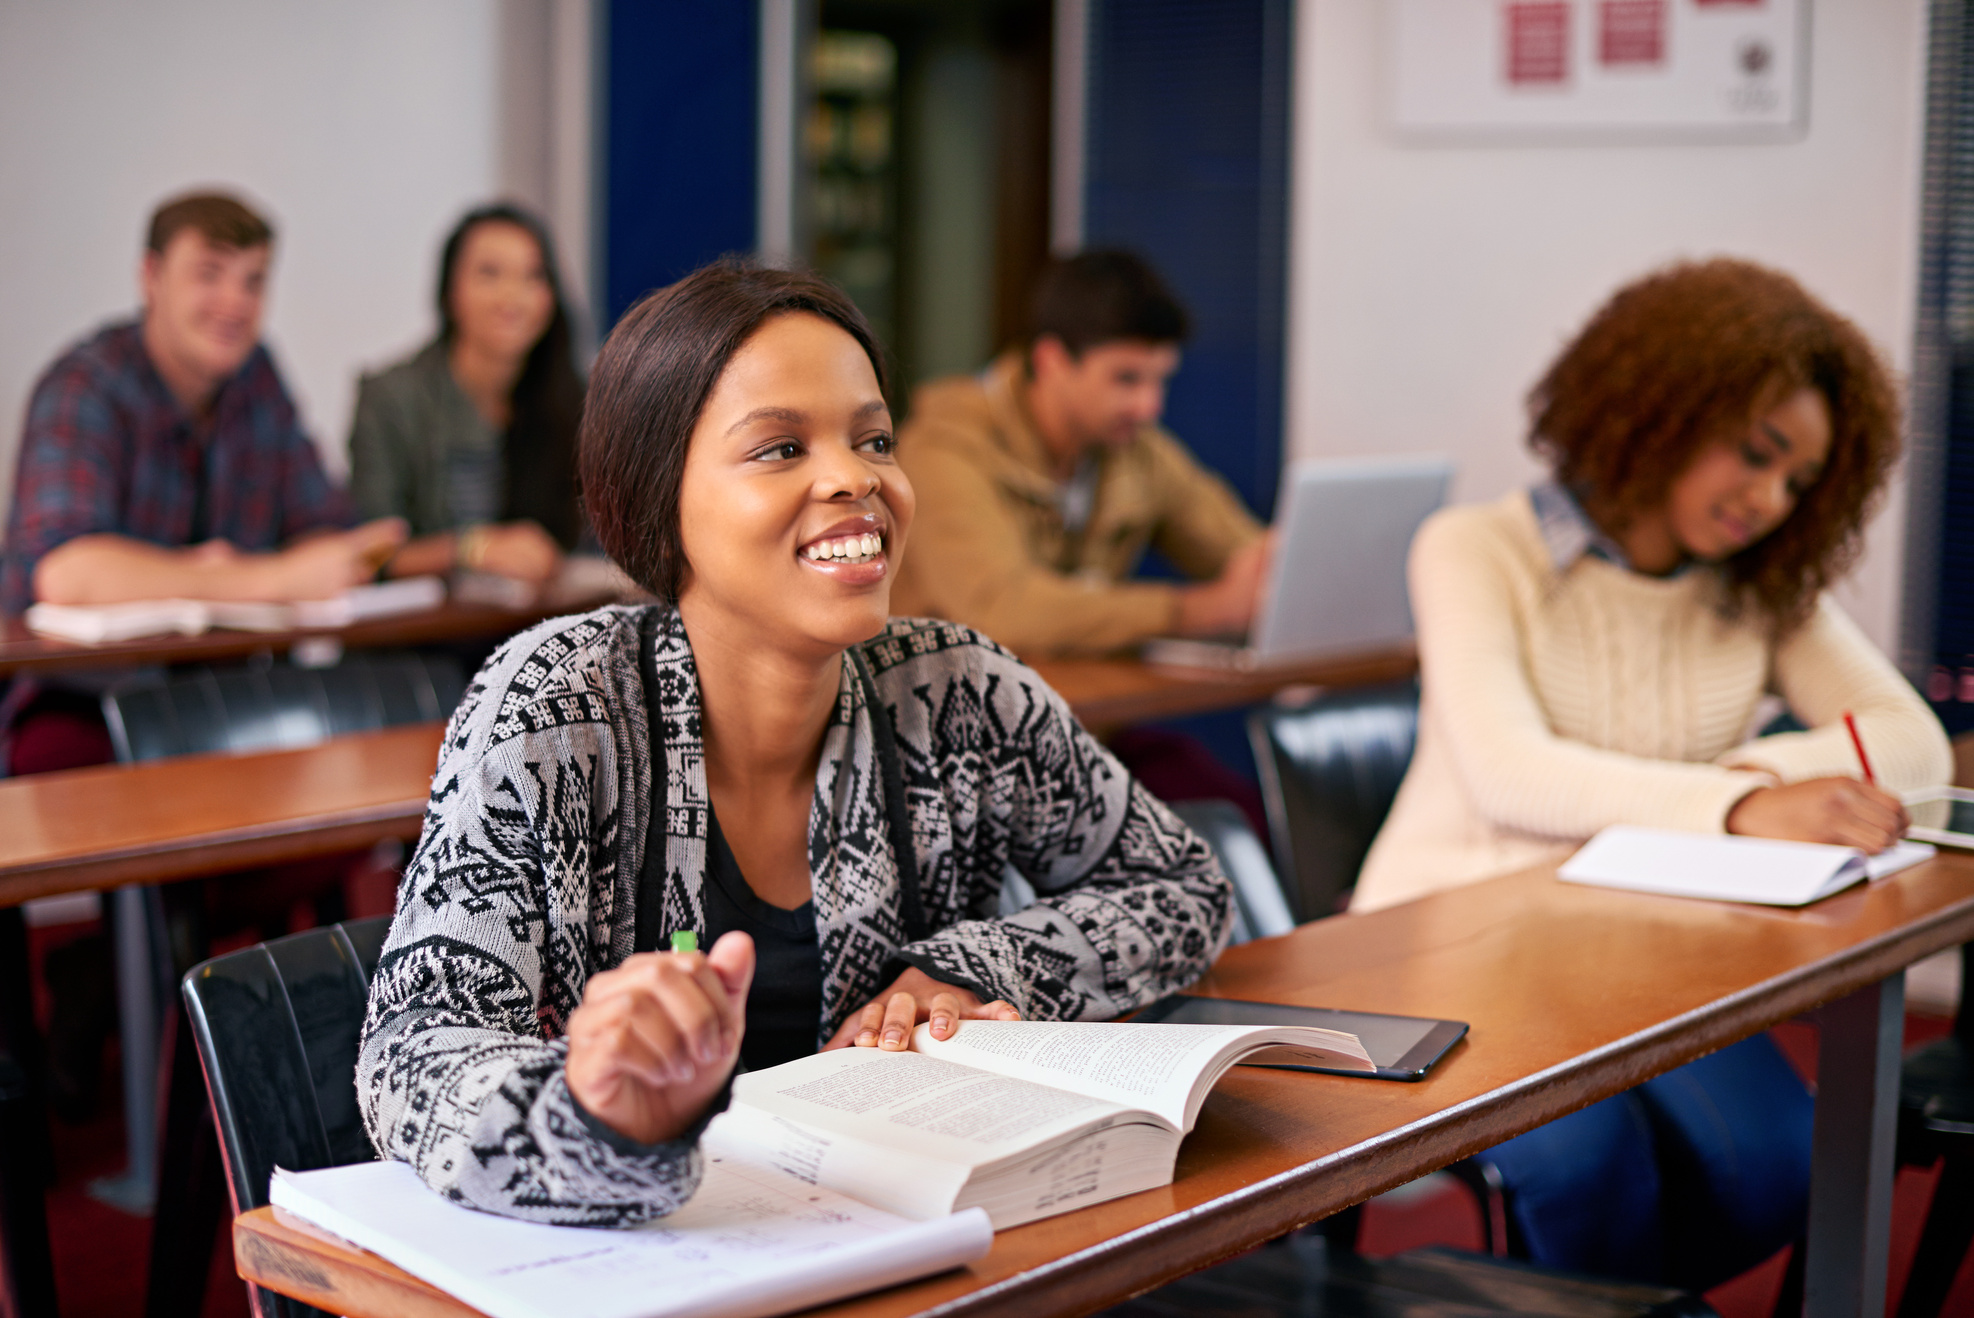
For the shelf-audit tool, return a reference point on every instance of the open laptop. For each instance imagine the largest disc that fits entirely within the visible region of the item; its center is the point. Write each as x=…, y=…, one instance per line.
x=1337, y=583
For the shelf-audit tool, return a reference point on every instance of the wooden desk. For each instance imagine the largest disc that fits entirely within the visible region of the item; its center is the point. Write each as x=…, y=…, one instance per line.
x=201, y=814
x=1574, y=994
x=21, y=651
x=1113, y=693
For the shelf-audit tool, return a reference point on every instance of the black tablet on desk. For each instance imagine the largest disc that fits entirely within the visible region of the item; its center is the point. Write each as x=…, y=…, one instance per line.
x=1402, y=1047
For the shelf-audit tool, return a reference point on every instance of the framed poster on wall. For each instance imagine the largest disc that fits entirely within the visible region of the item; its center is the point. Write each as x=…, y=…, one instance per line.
x=1643, y=70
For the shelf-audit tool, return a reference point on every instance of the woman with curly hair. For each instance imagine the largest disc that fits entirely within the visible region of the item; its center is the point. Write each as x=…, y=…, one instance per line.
x=1596, y=651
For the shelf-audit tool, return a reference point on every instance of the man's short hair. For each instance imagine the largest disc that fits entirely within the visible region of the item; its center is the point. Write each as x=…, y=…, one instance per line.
x=222, y=220
x=1103, y=297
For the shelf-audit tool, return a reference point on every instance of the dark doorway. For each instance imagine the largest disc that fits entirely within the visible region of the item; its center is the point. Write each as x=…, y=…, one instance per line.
x=927, y=196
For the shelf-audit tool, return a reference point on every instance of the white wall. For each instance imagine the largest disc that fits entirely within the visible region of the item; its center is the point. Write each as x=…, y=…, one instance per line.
x=363, y=127
x=1429, y=286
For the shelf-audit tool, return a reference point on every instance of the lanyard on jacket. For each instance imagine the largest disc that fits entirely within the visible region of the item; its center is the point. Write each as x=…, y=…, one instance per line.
x=651, y=871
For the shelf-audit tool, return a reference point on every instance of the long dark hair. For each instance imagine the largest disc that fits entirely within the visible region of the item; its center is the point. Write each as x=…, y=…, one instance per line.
x=539, y=448
x=652, y=379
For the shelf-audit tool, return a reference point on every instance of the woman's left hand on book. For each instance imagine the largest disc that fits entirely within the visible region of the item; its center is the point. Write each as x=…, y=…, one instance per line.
x=887, y=1020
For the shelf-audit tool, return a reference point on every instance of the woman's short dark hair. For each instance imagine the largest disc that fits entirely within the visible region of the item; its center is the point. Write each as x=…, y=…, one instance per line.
x=1683, y=359
x=538, y=451
x=1104, y=297
x=651, y=380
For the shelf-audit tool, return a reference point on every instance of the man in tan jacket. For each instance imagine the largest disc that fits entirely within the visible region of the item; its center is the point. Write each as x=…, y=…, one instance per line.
x=1042, y=481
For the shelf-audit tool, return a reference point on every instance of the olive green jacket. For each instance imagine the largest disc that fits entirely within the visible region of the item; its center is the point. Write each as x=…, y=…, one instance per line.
x=988, y=547
x=410, y=419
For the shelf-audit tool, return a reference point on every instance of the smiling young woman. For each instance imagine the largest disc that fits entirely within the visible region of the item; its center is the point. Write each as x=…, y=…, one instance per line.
x=828, y=797
x=472, y=440
x=1596, y=651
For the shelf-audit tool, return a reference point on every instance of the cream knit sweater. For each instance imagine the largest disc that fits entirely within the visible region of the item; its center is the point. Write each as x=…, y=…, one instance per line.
x=1555, y=703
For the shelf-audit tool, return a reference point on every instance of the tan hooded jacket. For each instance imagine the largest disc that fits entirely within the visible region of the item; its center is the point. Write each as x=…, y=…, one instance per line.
x=989, y=549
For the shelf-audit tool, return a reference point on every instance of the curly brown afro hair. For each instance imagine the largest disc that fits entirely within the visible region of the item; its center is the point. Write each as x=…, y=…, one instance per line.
x=1688, y=357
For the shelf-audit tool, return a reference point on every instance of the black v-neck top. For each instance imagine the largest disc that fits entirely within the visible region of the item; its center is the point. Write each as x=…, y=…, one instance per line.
x=784, y=1006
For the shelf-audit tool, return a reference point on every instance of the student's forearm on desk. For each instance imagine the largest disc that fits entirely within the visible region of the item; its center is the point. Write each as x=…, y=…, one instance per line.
x=429, y=555
x=1042, y=613
x=112, y=569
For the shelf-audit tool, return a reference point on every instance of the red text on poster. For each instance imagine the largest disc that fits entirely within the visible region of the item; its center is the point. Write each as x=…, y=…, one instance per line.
x=1631, y=32
x=1538, y=34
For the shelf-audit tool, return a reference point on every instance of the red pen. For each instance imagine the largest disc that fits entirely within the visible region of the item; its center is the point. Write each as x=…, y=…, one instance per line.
x=1858, y=742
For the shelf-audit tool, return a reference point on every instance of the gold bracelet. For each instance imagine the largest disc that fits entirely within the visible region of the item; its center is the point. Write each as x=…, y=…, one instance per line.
x=471, y=548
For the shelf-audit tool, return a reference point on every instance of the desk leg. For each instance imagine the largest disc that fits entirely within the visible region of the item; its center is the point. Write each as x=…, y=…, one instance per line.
x=1857, y=1105
x=137, y=1026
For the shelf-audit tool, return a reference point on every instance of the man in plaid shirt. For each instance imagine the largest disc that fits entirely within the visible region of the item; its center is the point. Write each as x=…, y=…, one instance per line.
x=163, y=457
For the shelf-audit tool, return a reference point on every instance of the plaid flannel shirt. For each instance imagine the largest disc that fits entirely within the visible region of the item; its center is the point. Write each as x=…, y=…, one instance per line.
x=107, y=448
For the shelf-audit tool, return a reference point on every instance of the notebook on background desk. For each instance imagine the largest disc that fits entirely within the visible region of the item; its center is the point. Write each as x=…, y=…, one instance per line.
x=103, y=623
x=1337, y=582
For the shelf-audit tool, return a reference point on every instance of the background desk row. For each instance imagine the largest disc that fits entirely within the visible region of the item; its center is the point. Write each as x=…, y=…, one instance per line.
x=203, y=814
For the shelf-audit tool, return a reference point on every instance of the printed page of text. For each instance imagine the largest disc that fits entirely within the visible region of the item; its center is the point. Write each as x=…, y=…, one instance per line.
x=1146, y=1066
x=920, y=1105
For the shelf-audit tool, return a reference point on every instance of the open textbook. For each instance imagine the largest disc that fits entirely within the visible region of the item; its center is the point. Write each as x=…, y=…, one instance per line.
x=1729, y=868
x=1022, y=1118
x=101, y=623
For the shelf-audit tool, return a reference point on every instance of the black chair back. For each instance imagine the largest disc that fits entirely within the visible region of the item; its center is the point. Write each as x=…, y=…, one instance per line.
x=266, y=706
x=1329, y=770
x=276, y=1026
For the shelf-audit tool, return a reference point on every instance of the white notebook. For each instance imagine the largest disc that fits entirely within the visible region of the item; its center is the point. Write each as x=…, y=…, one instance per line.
x=1727, y=867
x=753, y=1241
x=102, y=623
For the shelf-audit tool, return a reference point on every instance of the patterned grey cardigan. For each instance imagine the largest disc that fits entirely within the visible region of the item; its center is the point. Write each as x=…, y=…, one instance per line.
x=526, y=881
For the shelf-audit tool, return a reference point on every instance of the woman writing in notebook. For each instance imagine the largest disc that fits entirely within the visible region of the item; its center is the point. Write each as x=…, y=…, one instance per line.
x=1597, y=650
x=829, y=798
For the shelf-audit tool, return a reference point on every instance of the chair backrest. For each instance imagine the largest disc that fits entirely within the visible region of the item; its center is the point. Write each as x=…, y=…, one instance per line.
x=265, y=706
x=1260, y=910
x=276, y=1026
x=1329, y=770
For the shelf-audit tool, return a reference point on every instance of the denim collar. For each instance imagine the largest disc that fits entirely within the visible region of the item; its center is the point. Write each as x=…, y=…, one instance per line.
x=1567, y=530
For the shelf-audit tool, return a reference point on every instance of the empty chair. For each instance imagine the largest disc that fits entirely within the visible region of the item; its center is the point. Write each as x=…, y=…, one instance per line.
x=1329, y=770
x=1936, y=1123
x=276, y=1026
x=235, y=707
x=238, y=707
x=244, y=707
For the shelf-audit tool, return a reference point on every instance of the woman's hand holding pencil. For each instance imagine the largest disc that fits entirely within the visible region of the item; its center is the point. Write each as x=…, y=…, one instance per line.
x=1840, y=811
x=655, y=1039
